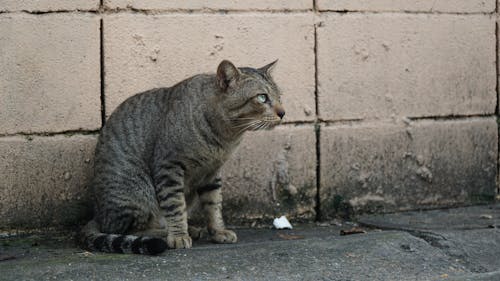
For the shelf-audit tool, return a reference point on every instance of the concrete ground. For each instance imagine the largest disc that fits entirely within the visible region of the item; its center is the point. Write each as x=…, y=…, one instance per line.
x=453, y=244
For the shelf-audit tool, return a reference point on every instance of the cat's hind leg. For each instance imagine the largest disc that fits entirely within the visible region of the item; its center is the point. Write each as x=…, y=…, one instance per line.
x=156, y=228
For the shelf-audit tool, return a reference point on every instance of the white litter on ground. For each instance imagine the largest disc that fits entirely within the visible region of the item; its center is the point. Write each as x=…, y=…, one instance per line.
x=282, y=223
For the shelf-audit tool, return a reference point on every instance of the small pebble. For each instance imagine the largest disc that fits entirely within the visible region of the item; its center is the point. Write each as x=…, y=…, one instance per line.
x=67, y=176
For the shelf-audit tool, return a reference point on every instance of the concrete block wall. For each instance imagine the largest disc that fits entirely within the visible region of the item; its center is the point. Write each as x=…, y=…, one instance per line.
x=391, y=105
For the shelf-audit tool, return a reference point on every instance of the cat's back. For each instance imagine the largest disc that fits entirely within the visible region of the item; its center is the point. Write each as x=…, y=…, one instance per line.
x=131, y=127
x=138, y=122
x=163, y=101
x=138, y=106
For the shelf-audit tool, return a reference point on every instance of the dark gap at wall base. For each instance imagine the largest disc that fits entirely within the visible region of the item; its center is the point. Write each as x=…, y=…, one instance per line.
x=317, y=130
x=103, y=99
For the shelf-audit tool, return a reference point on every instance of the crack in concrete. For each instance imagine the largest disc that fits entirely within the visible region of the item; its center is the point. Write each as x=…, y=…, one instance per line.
x=442, y=243
x=431, y=238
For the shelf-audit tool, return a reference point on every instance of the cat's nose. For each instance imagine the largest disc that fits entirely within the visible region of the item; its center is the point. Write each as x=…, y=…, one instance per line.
x=280, y=111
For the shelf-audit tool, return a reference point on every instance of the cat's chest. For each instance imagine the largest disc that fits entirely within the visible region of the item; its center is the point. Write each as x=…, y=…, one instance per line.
x=206, y=167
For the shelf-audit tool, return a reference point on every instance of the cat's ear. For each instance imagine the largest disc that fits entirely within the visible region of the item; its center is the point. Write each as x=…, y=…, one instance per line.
x=227, y=74
x=267, y=69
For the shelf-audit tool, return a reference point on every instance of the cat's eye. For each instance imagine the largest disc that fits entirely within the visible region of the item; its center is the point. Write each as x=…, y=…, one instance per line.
x=262, y=98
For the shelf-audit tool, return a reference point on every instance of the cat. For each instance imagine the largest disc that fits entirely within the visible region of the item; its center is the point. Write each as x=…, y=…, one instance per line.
x=160, y=152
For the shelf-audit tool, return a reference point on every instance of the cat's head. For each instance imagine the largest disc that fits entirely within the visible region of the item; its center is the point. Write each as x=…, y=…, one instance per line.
x=250, y=97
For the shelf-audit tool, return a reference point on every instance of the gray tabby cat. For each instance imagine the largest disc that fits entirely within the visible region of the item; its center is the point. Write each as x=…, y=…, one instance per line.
x=161, y=151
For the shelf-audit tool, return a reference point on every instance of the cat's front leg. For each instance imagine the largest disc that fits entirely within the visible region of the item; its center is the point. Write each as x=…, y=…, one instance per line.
x=169, y=183
x=211, y=203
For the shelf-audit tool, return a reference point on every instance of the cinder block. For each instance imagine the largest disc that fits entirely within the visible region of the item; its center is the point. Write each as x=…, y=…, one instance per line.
x=144, y=52
x=425, y=164
x=48, y=5
x=386, y=65
x=50, y=73
x=212, y=4
x=44, y=180
x=444, y=6
x=272, y=173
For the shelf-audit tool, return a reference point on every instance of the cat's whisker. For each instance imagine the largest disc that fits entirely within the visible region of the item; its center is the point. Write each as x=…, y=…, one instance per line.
x=241, y=125
x=242, y=118
x=257, y=126
x=249, y=125
x=270, y=124
x=261, y=125
x=246, y=124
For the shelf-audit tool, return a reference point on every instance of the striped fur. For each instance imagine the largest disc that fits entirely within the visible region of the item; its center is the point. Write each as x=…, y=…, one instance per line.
x=162, y=149
x=94, y=240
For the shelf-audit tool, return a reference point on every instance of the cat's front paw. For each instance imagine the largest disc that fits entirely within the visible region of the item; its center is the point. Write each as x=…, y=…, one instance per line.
x=179, y=242
x=224, y=236
x=197, y=233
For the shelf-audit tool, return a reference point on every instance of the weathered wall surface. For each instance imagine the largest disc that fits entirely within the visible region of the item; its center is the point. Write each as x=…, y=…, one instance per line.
x=391, y=105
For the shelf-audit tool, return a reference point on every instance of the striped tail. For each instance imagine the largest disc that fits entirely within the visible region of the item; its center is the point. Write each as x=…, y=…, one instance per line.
x=93, y=240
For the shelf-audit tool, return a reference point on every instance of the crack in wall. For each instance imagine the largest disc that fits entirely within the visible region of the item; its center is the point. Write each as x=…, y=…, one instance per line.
x=49, y=134
x=497, y=102
x=132, y=10
x=406, y=12
x=317, y=126
x=103, y=9
x=391, y=120
x=36, y=12
x=102, y=73
x=451, y=117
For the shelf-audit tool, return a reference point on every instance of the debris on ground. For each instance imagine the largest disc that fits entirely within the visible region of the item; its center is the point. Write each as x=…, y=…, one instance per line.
x=354, y=230
x=282, y=223
x=290, y=236
x=6, y=257
x=485, y=216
